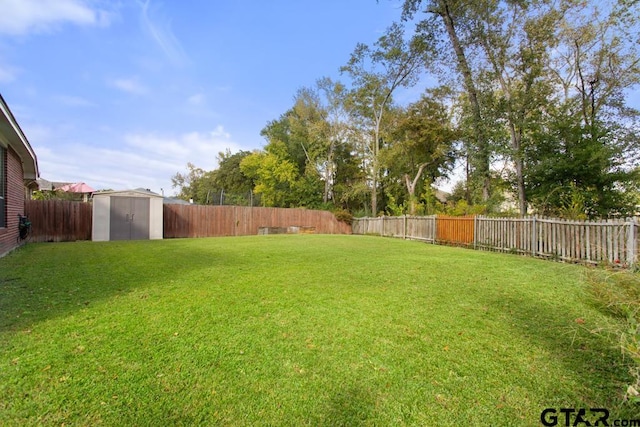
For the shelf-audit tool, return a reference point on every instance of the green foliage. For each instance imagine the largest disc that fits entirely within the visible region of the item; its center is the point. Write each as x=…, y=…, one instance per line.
x=377, y=72
x=344, y=216
x=54, y=195
x=618, y=293
x=573, y=204
x=195, y=184
x=430, y=204
x=577, y=171
x=420, y=147
x=354, y=196
x=462, y=208
x=466, y=197
x=228, y=176
x=349, y=188
x=393, y=208
x=274, y=175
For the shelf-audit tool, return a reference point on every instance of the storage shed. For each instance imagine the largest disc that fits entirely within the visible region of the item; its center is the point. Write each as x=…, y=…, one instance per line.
x=127, y=215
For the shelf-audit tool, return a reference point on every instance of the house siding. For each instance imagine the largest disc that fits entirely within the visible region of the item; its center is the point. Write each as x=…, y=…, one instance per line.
x=15, y=194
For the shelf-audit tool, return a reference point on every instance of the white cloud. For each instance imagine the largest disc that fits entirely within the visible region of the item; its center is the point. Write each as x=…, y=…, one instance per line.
x=146, y=160
x=200, y=148
x=20, y=17
x=131, y=85
x=159, y=29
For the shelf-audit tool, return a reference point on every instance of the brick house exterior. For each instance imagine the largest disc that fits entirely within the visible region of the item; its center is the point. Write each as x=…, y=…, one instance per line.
x=18, y=174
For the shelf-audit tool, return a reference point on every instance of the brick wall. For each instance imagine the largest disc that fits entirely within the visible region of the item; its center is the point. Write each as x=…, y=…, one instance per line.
x=9, y=236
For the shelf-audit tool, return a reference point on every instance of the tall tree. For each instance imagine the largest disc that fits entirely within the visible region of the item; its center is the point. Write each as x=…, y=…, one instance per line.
x=377, y=72
x=421, y=146
x=448, y=19
x=274, y=174
x=228, y=176
x=579, y=168
x=516, y=39
x=337, y=130
x=193, y=184
x=588, y=143
x=315, y=126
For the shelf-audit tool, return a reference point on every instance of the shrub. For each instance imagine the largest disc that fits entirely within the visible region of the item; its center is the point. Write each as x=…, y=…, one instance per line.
x=344, y=216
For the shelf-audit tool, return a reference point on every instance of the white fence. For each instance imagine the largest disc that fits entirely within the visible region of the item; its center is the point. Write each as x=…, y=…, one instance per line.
x=606, y=241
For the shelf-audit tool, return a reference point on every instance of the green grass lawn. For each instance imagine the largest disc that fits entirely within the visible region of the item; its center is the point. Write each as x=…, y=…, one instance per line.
x=297, y=330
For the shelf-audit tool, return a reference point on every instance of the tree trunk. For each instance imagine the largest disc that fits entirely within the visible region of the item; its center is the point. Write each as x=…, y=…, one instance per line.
x=374, y=190
x=516, y=147
x=411, y=188
x=328, y=174
x=514, y=135
x=483, y=157
x=375, y=165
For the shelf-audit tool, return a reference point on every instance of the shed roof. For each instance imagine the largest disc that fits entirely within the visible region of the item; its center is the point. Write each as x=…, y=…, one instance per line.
x=125, y=193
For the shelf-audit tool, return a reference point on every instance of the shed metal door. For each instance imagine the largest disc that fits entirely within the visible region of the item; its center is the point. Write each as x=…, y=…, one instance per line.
x=129, y=218
x=139, y=218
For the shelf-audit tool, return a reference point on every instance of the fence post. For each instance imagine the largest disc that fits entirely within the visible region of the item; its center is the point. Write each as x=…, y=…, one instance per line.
x=534, y=236
x=382, y=232
x=475, y=231
x=435, y=229
x=631, y=243
x=236, y=221
x=404, y=228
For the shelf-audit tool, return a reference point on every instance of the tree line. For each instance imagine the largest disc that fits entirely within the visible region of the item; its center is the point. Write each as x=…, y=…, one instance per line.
x=528, y=97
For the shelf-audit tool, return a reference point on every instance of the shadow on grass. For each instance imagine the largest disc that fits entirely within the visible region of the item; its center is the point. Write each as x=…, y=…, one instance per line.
x=578, y=346
x=47, y=280
x=350, y=406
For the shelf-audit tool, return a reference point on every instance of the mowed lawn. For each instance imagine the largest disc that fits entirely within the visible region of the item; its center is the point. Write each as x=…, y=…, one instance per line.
x=297, y=330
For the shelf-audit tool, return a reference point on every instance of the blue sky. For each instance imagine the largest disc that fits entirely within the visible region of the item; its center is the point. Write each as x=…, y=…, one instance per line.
x=122, y=94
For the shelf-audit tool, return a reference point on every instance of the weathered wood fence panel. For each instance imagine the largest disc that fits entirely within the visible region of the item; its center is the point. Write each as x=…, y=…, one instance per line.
x=367, y=226
x=62, y=221
x=421, y=228
x=213, y=221
x=394, y=226
x=610, y=241
x=59, y=220
x=496, y=234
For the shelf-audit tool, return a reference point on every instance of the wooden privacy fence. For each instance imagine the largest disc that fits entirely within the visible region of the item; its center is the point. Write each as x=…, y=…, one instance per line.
x=212, y=221
x=58, y=220
x=62, y=220
x=608, y=241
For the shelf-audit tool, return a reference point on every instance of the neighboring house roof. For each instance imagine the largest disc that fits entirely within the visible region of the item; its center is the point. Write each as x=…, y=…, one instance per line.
x=57, y=184
x=442, y=196
x=12, y=135
x=44, y=185
x=79, y=187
